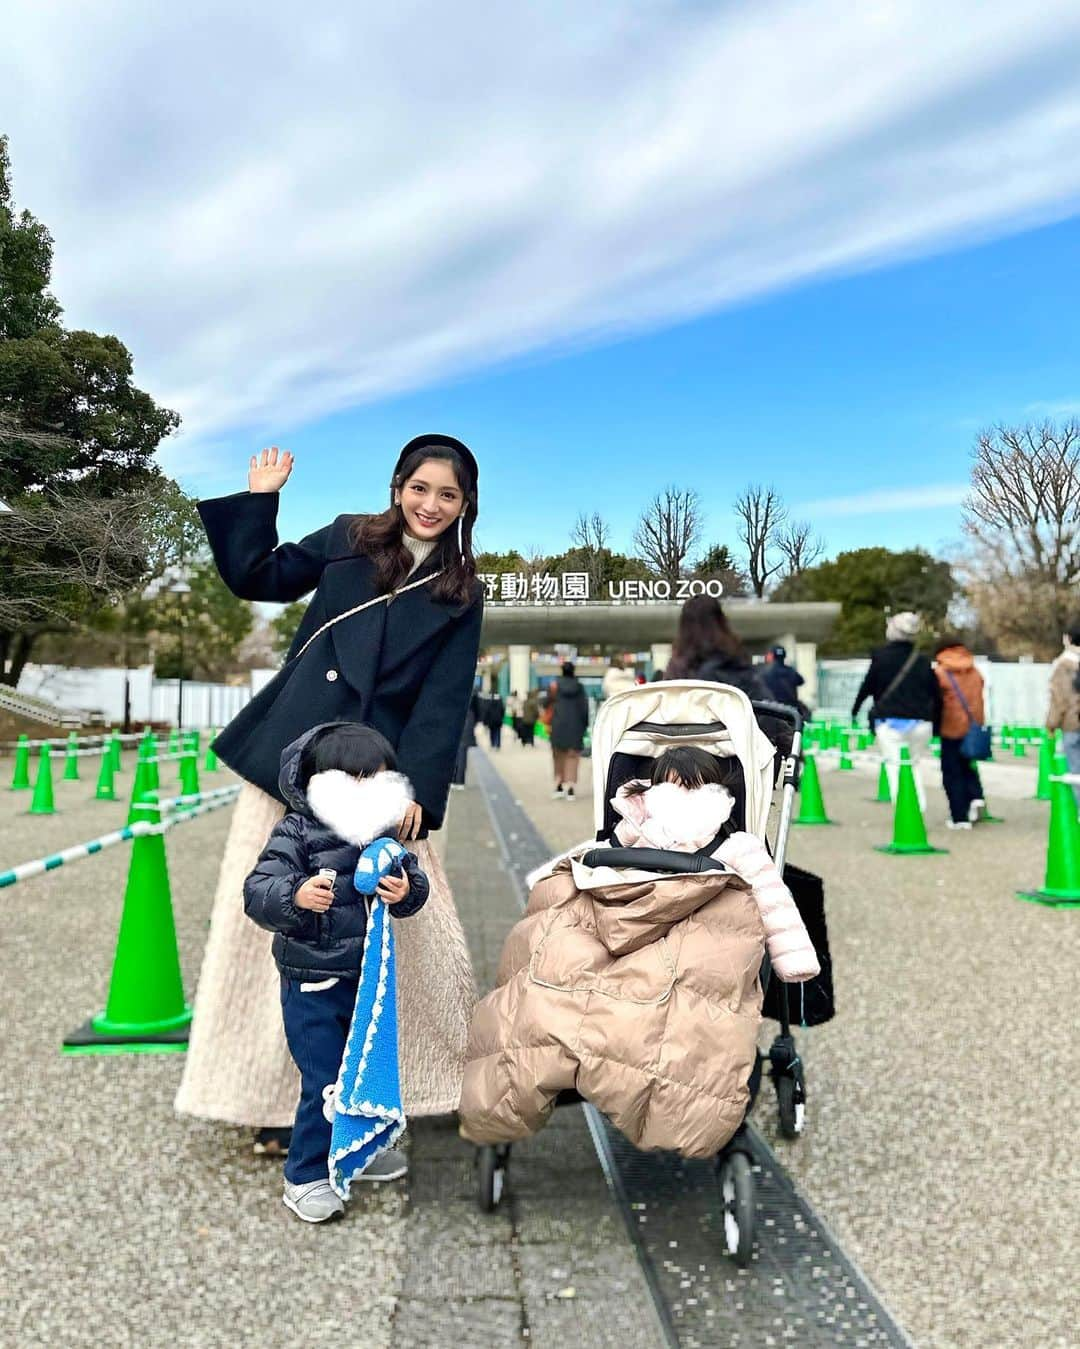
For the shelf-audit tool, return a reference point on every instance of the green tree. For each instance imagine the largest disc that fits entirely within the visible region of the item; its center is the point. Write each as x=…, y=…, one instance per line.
x=207, y=625
x=869, y=583
x=285, y=623
x=77, y=440
x=719, y=561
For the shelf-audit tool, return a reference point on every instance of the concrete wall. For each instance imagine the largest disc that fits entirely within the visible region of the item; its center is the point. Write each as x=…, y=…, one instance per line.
x=205, y=705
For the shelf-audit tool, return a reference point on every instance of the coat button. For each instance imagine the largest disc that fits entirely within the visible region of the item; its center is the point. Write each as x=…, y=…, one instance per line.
x=331, y=675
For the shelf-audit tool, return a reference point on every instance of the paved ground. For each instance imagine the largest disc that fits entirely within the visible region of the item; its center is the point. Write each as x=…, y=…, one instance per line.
x=129, y=1226
x=940, y=1143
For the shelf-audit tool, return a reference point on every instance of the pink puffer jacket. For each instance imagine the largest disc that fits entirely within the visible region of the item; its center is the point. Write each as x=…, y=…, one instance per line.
x=670, y=816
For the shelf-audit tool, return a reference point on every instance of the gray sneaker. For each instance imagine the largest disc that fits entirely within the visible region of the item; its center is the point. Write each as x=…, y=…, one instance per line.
x=314, y=1202
x=388, y=1165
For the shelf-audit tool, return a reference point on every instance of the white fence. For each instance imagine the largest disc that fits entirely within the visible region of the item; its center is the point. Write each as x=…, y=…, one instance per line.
x=1016, y=693
x=103, y=691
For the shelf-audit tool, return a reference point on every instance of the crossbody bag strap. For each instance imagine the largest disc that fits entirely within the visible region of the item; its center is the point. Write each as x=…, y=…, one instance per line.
x=963, y=700
x=367, y=604
x=897, y=678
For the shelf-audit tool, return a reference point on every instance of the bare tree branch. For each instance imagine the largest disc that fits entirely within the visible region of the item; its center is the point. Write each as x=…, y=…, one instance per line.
x=1023, y=521
x=799, y=546
x=761, y=516
x=667, y=530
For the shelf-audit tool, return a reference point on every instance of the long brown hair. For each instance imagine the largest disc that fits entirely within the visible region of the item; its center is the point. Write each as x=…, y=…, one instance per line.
x=703, y=632
x=380, y=536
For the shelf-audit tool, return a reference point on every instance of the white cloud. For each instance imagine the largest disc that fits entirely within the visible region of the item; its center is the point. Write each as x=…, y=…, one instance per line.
x=286, y=212
x=885, y=501
x=1064, y=407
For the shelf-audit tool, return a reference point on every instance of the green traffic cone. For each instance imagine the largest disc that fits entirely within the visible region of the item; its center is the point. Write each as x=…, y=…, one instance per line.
x=1061, y=884
x=1019, y=747
x=146, y=1011
x=210, y=764
x=143, y=785
x=106, y=786
x=811, y=802
x=883, y=793
x=71, y=759
x=152, y=764
x=174, y=741
x=935, y=746
x=189, y=775
x=116, y=750
x=845, y=765
x=42, y=802
x=20, y=780
x=909, y=829
x=1046, y=767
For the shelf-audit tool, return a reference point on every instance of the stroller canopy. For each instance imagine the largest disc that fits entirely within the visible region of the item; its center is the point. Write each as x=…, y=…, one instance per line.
x=645, y=721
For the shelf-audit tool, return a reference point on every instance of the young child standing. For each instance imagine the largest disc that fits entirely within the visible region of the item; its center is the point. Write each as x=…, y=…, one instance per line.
x=343, y=790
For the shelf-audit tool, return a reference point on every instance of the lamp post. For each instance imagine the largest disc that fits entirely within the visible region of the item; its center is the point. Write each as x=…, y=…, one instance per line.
x=181, y=590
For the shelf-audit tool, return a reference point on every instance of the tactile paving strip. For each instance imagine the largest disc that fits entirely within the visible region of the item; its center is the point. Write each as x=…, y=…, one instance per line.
x=800, y=1288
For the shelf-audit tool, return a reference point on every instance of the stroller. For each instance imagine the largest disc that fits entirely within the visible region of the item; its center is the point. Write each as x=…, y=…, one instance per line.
x=633, y=728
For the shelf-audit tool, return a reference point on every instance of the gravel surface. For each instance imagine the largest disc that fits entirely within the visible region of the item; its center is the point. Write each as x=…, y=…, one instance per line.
x=939, y=1144
x=126, y=1224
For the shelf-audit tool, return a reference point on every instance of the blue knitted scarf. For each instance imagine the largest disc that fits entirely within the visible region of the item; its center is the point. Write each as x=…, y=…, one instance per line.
x=368, y=1117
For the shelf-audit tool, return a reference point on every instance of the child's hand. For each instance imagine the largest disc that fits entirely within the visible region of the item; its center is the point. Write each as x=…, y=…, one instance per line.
x=393, y=889
x=316, y=894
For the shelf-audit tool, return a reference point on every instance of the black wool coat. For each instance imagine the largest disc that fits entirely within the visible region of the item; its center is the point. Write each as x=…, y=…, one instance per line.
x=918, y=694
x=405, y=667
x=570, y=717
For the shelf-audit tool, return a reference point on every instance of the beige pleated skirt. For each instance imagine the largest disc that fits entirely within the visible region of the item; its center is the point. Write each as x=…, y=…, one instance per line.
x=238, y=1068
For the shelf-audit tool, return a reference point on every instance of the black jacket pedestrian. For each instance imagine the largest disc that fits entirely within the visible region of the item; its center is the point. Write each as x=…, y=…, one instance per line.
x=494, y=712
x=329, y=824
x=570, y=714
x=720, y=669
x=917, y=696
x=783, y=682
x=405, y=667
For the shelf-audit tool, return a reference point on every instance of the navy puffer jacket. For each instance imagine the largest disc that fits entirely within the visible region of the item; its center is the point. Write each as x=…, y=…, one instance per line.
x=329, y=825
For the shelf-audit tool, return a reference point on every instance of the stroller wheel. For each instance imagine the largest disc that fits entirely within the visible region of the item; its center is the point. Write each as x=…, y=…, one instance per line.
x=792, y=1110
x=491, y=1176
x=737, y=1196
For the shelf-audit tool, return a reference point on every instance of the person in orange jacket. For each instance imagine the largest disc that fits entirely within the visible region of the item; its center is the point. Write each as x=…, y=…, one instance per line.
x=961, y=705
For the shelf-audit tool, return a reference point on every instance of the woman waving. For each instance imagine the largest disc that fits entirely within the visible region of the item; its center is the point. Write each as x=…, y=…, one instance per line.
x=390, y=638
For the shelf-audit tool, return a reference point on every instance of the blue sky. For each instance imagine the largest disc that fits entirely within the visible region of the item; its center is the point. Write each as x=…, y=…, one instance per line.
x=871, y=386
x=614, y=246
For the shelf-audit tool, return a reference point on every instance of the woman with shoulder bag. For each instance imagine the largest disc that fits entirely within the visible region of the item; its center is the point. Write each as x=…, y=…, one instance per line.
x=1063, y=713
x=962, y=714
x=390, y=639
x=905, y=699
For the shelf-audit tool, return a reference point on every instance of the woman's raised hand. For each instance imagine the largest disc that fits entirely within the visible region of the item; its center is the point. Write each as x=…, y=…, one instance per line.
x=268, y=472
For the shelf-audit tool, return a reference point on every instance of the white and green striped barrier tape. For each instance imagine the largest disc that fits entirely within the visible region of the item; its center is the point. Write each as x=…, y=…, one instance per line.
x=222, y=796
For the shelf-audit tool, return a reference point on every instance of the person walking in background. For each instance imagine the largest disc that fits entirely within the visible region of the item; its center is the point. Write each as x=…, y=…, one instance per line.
x=1064, y=712
x=569, y=722
x=616, y=678
x=494, y=712
x=962, y=706
x=906, y=698
x=783, y=680
x=706, y=647
x=530, y=714
x=514, y=707
x=467, y=742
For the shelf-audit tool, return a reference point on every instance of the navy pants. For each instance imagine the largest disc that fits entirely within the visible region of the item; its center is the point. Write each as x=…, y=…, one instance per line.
x=959, y=778
x=316, y=1026
x=495, y=730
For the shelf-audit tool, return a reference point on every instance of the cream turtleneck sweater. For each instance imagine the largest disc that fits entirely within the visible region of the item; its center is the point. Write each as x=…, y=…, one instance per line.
x=421, y=549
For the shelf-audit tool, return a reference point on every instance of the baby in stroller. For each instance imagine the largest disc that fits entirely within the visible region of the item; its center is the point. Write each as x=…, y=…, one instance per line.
x=633, y=977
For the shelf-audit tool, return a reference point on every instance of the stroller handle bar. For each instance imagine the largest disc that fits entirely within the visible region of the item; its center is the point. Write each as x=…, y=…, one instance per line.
x=651, y=859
